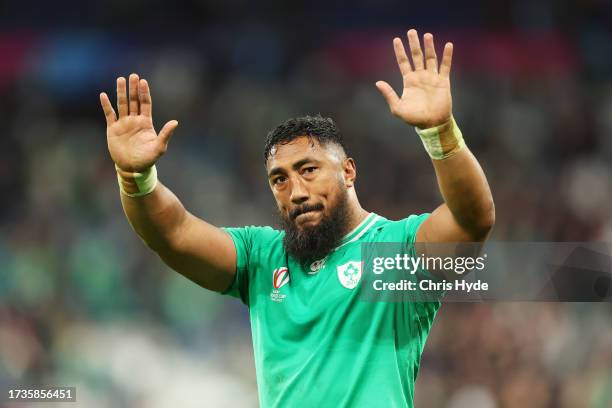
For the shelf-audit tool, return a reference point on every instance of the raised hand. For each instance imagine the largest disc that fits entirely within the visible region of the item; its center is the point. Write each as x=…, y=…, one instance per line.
x=132, y=141
x=426, y=99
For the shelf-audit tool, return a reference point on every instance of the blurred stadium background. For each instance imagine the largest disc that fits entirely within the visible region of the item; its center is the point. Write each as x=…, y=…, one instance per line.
x=84, y=303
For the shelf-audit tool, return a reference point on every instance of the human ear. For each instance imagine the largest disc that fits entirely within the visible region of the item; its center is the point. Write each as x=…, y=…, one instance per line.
x=349, y=171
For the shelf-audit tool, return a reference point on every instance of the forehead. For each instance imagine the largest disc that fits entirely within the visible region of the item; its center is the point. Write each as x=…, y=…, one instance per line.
x=282, y=155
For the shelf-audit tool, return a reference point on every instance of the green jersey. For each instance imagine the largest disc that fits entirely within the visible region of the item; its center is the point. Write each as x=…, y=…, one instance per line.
x=316, y=343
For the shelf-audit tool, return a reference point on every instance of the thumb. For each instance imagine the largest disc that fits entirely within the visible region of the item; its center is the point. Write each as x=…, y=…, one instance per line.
x=166, y=132
x=388, y=93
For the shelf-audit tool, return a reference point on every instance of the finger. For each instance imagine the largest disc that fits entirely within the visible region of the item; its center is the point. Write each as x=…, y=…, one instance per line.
x=415, y=50
x=166, y=132
x=431, y=60
x=144, y=95
x=389, y=95
x=122, y=103
x=133, y=93
x=109, y=112
x=402, y=58
x=447, y=59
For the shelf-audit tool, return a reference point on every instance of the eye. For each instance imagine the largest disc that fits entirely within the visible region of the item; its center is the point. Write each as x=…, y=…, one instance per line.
x=278, y=180
x=309, y=170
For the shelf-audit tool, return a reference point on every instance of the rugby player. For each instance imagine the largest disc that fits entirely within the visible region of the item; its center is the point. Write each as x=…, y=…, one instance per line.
x=315, y=343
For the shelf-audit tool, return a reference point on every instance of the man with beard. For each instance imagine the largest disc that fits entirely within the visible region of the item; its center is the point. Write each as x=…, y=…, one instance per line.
x=316, y=344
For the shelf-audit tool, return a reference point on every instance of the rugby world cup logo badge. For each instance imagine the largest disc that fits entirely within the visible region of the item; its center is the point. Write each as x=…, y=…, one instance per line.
x=280, y=277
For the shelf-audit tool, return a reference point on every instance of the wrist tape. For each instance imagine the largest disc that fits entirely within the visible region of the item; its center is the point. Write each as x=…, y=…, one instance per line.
x=134, y=184
x=442, y=141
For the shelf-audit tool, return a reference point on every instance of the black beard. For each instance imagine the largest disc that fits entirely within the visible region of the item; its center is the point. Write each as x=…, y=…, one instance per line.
x=310, y=244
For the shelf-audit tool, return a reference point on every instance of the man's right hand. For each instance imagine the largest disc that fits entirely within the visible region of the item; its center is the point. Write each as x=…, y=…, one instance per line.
x=132, y=141
x=189, y=245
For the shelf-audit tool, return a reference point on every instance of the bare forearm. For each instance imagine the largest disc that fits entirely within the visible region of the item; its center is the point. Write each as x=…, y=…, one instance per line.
x=155, y=217
x=189, y=245
x=466, y=192
x=468, y=213
x=198, y=250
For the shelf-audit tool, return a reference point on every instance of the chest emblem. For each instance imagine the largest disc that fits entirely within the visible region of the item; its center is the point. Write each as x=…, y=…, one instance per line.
x=316, y=266
x=280, y=277
x=349, y=274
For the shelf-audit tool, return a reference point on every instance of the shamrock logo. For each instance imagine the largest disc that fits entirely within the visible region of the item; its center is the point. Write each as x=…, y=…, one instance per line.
x=349, y=274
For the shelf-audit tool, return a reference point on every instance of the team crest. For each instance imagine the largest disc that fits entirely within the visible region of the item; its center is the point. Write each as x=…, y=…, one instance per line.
x=349, y=274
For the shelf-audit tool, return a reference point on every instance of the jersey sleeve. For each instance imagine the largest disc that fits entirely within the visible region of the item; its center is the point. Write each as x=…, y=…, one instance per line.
x=412, y=224
x=425, y=309
x=244, y=238
x=248, y=242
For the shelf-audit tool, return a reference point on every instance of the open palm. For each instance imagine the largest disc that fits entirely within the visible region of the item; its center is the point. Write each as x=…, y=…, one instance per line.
x=132, y=141
x=426, y=98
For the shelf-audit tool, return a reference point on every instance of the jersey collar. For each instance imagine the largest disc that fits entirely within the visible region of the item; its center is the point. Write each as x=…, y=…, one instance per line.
x=359, y=230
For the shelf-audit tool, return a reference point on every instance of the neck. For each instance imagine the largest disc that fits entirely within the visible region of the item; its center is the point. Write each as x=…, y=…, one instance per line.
x=357, y=215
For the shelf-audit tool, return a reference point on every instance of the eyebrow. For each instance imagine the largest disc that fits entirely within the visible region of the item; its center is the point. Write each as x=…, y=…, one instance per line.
x=279, y=170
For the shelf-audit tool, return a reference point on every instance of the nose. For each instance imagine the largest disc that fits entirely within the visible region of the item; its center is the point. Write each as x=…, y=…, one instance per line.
x=299, y=192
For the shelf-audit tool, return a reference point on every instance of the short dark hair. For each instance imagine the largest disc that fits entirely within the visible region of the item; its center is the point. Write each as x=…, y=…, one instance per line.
x=322, y=129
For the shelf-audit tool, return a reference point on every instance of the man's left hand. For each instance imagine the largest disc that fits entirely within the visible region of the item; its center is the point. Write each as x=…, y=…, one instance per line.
x=426, y=99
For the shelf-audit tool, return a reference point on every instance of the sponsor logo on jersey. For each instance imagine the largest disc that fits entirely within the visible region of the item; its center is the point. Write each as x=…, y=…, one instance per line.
x=316, y=266
x=280, y=277
x=349, y=274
